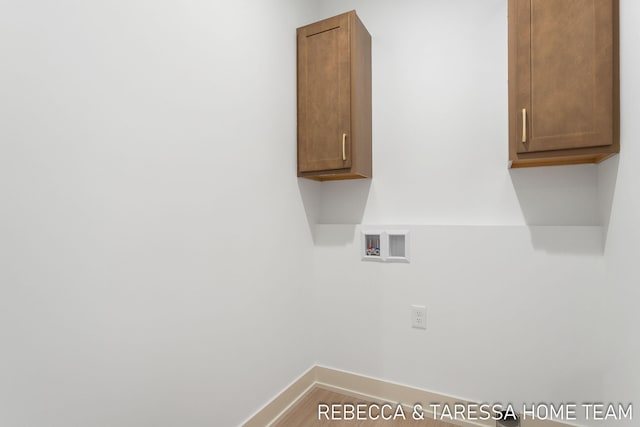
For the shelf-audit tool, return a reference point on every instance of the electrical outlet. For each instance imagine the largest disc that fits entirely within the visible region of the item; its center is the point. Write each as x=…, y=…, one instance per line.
x=419, y=316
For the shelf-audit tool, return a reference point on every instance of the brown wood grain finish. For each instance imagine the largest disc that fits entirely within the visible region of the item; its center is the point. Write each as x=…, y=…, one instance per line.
x=334, y=99
x=305, y=413
x=324, y=89
x=361, y=99
x=563, y=59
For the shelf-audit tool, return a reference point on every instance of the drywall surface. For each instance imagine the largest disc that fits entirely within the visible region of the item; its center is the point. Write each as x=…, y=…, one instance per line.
x=440, y=126
x=154, y=246
x=513, y=313
x=440, y=155
x=620, y=185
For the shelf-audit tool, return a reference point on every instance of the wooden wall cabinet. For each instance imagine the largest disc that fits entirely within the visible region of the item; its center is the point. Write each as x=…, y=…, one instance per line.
x=334, y=99
x=563, y=81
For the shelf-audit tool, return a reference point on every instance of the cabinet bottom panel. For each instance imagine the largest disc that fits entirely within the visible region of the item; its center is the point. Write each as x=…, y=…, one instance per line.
x=558, y=161
x=332, y=175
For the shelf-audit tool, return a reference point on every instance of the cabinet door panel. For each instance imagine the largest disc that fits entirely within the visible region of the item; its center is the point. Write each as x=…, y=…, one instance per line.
x=324, y=96
x=565, y=73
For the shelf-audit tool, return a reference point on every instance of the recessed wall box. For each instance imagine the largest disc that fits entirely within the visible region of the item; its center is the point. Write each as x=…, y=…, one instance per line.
x=398, y=245
x=371, y=245
x=388, y=245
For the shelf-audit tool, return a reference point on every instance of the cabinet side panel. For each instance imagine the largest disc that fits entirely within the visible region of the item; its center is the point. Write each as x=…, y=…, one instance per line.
x=361, y=99
x=615, y=146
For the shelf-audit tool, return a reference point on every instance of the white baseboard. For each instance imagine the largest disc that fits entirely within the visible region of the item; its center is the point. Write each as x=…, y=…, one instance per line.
x=279, y=406
x=367, y=388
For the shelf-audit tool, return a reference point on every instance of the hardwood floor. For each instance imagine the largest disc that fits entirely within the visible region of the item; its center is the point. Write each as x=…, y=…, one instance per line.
x=305, y=414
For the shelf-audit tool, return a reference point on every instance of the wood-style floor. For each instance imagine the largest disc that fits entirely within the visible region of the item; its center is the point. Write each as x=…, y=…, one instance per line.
x=305, y=414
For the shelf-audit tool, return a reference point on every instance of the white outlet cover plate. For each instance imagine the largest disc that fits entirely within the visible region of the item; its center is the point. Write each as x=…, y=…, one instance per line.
x=419, y=317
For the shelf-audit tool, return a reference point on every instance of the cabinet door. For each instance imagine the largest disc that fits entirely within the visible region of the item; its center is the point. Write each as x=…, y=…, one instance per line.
x=324, y=141
x=564, y=74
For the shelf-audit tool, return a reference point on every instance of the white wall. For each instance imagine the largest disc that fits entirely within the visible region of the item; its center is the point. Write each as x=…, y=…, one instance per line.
x=440, y=152
x=440, y=126
x=506, y=321
x=620, y=181
x=154, y=245
x=144, y=146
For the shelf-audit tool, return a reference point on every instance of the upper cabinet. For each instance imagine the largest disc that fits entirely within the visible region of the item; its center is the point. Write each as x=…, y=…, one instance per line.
x=334, y=99
x=563, y=81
